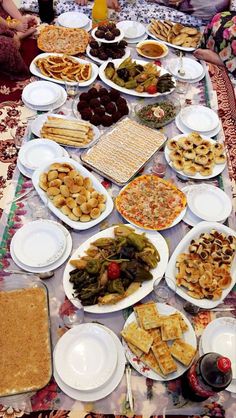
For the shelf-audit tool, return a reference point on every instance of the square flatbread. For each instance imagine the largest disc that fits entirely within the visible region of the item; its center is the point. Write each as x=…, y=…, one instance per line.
x=163, y=356
x=138, y=337
x=183, y=324
x=183, y=351
x=151, y=361
x=156, y=335
x=171, y=329
x=135, y=350
x=147, y=316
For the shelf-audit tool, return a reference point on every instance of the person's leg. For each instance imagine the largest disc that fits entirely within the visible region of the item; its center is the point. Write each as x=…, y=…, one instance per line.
x=10, y=7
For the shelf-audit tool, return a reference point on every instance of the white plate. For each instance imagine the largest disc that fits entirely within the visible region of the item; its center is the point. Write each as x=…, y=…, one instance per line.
x=190, y=218
x=209, y=203
x=87, y=358
x=182, y=247
x=96, y=59
x=84, y=172
x=232, y=387
x=131, y=28
x=58, y=103
x=41, y=93
x=217, y=169
x=186, y=130
x=182, y=48
x=39, y=243
x=104, y=41
x=130, y=91
x=188, y=336
x=136, y=40
x=146, y=288
x=35, y=70
x=199, y=118
x=38, y=123
x=193, y=69
x=53, y=266
x=24, y=170
x=102, y=392
x=73, y=20
x=220, y=337
x=165, y=49
x=39, y=150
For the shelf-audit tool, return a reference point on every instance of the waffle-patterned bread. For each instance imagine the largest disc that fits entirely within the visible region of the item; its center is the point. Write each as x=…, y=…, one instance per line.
x=64, y=40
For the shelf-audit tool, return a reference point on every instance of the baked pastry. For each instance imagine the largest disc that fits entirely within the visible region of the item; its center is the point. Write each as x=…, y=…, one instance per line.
x=164, y=359
x=183, y=352
x=147, y=316
x=138, y=337
x=63, y=40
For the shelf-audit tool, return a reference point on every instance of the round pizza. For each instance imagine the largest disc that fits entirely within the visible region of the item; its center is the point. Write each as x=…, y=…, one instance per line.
x=151, y=202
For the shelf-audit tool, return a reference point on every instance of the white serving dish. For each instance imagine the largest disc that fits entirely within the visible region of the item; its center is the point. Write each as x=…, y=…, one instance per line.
x=73, y=20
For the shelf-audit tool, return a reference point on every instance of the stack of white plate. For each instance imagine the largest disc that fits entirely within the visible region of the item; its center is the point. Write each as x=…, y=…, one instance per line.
x=37, y=152
x=206, y=203
x=43, y=95
x=134, y=31
x=89, y=362
x=40, y=246
x=220, y=337
x=194, y=71
x=75, y=20
x=200, y=119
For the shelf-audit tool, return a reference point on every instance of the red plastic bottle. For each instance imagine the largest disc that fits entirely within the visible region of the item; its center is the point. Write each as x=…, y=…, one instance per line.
x=210, y=374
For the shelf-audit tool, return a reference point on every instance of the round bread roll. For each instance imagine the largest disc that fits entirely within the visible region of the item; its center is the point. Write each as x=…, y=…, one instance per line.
x=78, y=180
x=52, y=175
x=102, y=207
x=187, y=144
x=201, y=159
x=65, y=210
x=61, y=175
x=202, y=150
x=77, y=211
x=68, y=181
x=172, y=144
x=64, y=190
x=85, y=208
x=59, y=201
x=196, y=138
x=206, y=170
x=87, y=182
x=53, y=191
x=55, y=183
x=93, y=202
x=80, y=199
x=220, y=159
x=73, y=173
x=189, y=154
x=190, y=171
x=175, y=155
x=73, y=217
x=178, y=164
x=71, y=203
x=95, y=213
x=85, y=218
x=74, y=188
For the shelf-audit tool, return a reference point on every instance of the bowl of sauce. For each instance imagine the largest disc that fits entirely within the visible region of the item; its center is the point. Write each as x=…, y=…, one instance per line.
x=152, y=49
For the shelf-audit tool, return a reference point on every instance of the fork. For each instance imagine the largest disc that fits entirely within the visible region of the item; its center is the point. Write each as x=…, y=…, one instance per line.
x=129, y=397
x=181, y=71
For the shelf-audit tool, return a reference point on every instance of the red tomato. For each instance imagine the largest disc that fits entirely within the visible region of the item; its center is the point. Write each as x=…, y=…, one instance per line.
x=113, y=270
x=151, y=89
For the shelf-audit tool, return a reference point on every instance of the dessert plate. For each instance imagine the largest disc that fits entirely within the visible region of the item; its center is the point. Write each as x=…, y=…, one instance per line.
x=41, y=93
x=104, y=41
x=73, y=20
x=54, y=265
x=209, y=203
x=193, y=69
x=199, y=118
x=209, y=134
x=132, y=29
x=189, y=337
x=55, y=105
x=136, y=40
x=39, y=150
x=86, y=360
x=39, y=243
x=220, y=337
x=106, y=389
x=96, y=59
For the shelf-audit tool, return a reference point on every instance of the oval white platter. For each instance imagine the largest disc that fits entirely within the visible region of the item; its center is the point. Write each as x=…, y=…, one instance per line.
x=217, y=169
x=102, y=392
x=35, y=70
x=84, y=172
x=38, y=123
x=181, y=48
x=188, y=336
x=104, y=41
x=182, y=247
x=147, y=286
x=96, y=59
x=132, y=92
x=86, y=360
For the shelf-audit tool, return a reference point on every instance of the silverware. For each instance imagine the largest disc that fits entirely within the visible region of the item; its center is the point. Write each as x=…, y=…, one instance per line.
x=42, y=276
x=181, y=71
x=21, y=196
x=129, y=396
x=194, y=310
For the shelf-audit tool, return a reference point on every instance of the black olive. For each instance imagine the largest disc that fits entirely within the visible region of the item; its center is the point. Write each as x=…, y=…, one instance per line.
x=123, y=73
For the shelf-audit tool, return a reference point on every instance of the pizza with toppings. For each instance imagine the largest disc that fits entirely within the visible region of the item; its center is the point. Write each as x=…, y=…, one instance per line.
x=151, y=202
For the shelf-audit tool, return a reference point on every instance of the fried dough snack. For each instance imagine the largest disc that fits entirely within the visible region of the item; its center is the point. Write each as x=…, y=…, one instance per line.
x=72, y=193
x=175, y=33
x=64, y=40
x=192, y=154
x=67, y=132
x=64, y=68
x=205, y=270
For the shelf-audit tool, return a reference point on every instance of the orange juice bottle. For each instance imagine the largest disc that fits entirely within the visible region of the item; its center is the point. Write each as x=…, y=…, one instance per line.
x=99, y=13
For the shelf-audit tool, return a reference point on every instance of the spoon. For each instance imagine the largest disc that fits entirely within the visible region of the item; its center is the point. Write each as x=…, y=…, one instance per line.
x=194, y=310
x=181, y=71
x=42, y=276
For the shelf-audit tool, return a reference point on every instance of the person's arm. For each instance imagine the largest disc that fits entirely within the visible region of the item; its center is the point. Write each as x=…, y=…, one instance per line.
x=10, y=7
x=113, y=4
x=82, y=2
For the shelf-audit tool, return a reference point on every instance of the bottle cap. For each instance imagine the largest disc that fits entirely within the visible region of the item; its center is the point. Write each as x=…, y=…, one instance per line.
x=224, y=364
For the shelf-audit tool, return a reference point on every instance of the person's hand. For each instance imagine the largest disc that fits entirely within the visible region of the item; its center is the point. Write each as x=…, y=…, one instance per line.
x=82, y=2
x=113, y=4
x=21, y=26
x=31, y=21
x=175, y=2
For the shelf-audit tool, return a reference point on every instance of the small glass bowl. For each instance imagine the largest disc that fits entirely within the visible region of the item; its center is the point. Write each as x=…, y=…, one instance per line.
x=72, y=312
x=156, y=102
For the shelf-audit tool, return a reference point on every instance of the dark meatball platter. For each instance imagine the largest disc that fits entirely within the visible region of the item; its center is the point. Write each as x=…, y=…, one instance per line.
x=107, y=33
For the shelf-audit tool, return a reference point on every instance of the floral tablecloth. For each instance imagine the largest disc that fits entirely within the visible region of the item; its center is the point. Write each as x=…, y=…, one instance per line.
x=151, y=398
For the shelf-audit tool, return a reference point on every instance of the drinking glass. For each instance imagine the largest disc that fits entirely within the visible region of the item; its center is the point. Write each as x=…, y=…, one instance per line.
x=182, y=87
x=72, y=89
x=164, y=293
x=72, y=313
x=18, y=136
